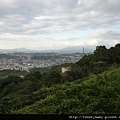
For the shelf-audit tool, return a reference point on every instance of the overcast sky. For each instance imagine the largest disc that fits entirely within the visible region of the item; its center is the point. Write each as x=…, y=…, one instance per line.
x=54, y=24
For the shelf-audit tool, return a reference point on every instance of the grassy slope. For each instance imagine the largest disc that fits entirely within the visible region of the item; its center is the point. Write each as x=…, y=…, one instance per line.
x=98, y=94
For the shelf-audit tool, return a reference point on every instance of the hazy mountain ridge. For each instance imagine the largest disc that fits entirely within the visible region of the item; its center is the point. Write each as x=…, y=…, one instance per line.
x=15, y=50
x=87, y=49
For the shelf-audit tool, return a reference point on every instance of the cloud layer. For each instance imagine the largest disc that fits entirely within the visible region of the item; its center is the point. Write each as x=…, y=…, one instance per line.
x=25, y=19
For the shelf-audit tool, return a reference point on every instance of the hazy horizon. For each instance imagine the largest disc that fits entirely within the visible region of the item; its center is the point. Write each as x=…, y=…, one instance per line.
x=46, y=25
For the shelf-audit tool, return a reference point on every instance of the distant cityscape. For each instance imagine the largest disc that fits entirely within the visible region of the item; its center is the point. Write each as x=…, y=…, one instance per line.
x=26, y=61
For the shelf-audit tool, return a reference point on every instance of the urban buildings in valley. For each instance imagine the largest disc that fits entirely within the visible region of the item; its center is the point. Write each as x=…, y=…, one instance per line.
x=27, y=61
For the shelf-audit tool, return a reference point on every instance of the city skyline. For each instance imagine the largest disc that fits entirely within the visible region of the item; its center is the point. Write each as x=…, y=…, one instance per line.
x=43, y=25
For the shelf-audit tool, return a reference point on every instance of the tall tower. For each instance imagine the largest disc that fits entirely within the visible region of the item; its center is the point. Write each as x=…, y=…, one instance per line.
x=83, y=50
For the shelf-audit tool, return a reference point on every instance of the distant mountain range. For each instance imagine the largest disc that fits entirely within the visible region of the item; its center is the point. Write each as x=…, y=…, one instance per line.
x=81, y=49
x=15, y=50
x=69, y=49
x=21, y=49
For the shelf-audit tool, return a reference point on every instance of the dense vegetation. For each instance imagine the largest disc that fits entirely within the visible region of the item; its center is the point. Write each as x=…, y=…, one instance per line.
x=91, y=86
x=6, y=73
x=8, y=56
x=98, y=94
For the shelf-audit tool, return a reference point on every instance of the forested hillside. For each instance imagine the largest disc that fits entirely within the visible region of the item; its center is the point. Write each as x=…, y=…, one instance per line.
x=97, y=94
x=91, y=86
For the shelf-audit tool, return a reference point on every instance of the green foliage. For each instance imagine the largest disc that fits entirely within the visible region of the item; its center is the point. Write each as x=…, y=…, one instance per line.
x=96, y=95
x=8, y=56
x=51, y=78
x=114, y=53
x=43, y=57
x=74, y=74
x=100, y=61
x=33, y=76
x=10, y=79
x=41, y=70
x=6, y=73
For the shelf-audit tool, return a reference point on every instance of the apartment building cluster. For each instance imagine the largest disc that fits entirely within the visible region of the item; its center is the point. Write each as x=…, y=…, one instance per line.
x=26, y=63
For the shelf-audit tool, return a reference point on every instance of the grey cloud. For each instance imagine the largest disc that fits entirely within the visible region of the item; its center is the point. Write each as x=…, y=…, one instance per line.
x=19, y=16
x=107, y=34
x=106, y=37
